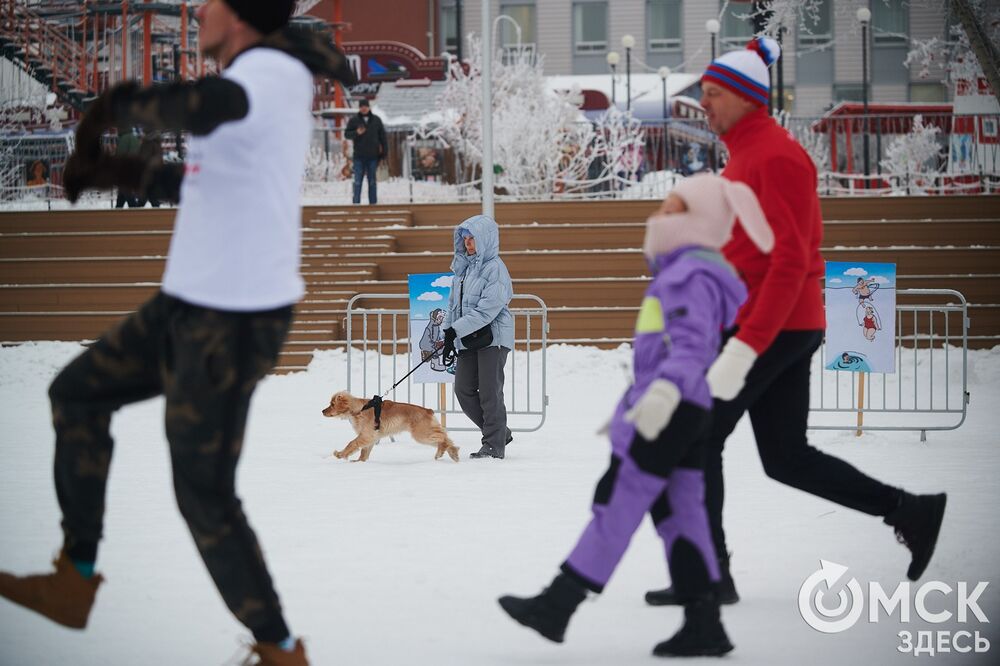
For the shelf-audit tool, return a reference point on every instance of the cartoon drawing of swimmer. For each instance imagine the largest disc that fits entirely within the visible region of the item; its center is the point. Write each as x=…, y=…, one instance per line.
x=864, y=289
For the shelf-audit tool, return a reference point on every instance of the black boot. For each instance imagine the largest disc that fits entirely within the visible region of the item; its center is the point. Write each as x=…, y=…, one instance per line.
x=702, y=634
x=725, y=590
x=550, y=611
x=917, y=521
x=485, y=451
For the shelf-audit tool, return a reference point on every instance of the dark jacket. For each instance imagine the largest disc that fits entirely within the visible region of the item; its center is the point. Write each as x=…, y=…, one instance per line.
x=367, y=145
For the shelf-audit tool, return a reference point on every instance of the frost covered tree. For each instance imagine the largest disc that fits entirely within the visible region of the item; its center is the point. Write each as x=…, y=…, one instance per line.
x=542, y=146
x=955, y=54
x=324, y=166
x=817, y=144
x=912, y=158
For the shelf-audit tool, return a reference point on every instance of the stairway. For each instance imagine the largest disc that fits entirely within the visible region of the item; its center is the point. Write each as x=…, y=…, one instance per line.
x=43, y=51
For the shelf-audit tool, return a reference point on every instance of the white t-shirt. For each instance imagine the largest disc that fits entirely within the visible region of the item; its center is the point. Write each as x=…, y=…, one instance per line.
x=237, y=238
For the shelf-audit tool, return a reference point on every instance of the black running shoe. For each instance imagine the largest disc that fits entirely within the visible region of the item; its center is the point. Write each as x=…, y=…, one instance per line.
x=917, y=522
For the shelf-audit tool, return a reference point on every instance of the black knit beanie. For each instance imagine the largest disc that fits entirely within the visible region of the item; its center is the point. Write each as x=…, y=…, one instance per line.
x=265, y=16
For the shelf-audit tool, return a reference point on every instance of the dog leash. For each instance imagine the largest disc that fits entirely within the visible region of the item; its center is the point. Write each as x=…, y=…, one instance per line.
x=376, y=402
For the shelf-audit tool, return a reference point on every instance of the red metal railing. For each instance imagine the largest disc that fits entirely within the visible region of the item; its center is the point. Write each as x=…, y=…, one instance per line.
x=46, y=46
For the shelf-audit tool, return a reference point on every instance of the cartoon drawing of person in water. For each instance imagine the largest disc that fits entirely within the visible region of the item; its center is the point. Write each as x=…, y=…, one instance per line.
x=864, y=289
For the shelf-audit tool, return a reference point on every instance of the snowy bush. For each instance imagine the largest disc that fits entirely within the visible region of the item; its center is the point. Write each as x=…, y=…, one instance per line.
x=914, y=158
x=542, y=146
x=324, y=166
x=817, y=144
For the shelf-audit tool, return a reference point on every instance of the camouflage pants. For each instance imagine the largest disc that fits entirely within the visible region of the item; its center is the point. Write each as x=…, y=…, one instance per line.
x=207, y=364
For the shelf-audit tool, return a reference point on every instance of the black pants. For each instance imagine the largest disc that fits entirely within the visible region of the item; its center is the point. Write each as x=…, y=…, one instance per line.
x=777, y=396
x=207, y=364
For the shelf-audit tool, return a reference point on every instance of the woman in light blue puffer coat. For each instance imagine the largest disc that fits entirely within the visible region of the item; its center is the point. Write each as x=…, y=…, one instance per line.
x=480, y=294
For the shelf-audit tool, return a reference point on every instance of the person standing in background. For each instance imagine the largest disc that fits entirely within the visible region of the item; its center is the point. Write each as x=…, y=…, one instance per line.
x=368, y=134
x=128, y=144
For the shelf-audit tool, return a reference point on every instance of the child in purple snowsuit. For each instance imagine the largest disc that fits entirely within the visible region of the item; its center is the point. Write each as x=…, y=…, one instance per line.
x=655, y=465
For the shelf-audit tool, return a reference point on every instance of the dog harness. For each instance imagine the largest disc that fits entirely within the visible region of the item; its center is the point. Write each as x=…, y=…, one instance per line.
x=376, y=404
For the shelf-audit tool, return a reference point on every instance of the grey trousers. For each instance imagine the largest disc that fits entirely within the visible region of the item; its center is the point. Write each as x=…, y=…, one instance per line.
x=479, y=388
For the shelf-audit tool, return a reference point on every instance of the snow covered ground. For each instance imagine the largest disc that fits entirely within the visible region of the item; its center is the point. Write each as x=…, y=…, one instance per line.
x=400, y=560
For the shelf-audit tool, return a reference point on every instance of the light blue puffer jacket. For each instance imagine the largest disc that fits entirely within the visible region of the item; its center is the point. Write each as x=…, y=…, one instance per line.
x=484, y=285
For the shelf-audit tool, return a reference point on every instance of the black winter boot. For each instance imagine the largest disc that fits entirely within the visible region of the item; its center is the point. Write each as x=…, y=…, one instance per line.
x=702, y=634
x=725, y=590
x=550, y=611
x=485, y=451
x=917, y=521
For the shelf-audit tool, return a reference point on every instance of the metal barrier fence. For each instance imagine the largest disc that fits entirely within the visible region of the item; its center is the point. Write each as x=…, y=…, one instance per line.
x=928, y=391
x=381, y=355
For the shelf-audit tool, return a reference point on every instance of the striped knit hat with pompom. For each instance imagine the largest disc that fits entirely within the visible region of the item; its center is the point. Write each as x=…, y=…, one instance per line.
x=745, y=71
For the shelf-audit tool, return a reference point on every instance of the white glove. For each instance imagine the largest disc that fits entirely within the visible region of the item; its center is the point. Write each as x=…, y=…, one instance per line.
x=652, y=411
x=729, y=372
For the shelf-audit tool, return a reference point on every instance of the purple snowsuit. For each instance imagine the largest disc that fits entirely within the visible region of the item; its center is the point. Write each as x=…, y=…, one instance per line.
x=693, y=297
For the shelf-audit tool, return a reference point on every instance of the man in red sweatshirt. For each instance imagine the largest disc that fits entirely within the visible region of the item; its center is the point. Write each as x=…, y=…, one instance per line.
x=764, y=365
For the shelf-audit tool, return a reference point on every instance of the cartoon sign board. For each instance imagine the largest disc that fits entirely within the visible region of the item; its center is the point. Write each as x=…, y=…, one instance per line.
x=429, y=294
x=860, y=317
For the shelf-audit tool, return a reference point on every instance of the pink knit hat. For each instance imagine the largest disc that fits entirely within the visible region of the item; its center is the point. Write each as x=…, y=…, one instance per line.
x=713, y=205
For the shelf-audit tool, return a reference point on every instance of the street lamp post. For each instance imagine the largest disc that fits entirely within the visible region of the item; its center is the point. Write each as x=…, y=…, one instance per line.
x=781, y=72
x=613, y=59
x=664, y=72
x=628, y=41
x=864, y=17
x=712, y=26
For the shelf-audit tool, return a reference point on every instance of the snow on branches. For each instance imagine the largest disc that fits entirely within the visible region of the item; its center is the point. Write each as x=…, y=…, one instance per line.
x=954, y=54
x=914, y=156
x=542, y=145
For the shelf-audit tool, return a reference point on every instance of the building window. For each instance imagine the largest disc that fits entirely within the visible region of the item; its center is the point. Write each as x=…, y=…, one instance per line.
x=989, y=129
x=449, y=28
x=663, y=25
x=737, y=24
x=817, y=29
x=590, y=27
x=524, y=14
x=849, y=92
x=952, y=26
x=928, y=92
x=889, y=23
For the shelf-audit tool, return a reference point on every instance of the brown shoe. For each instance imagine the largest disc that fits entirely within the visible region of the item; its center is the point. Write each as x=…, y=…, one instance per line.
x=64, y=596
x=270, y=654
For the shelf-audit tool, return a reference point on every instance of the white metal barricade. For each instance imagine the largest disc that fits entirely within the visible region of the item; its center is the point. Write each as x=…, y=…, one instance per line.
x=928, y=391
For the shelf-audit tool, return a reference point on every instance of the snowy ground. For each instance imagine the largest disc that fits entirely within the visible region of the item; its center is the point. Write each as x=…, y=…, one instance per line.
x=400, y=560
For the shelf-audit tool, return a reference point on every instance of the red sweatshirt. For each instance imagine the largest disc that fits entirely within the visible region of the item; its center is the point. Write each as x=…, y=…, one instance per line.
x=784, y=286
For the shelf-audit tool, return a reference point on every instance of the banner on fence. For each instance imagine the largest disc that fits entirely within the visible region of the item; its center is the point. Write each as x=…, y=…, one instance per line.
x=860, y=317
x=429, y=294
x=426, y=160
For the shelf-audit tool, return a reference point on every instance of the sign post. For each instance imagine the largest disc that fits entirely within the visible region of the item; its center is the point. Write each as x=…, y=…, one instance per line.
x=860, y=322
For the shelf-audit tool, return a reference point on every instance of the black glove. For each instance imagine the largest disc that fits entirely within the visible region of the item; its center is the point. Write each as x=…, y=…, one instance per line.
x=127, y=172
x=448, y=355
x=145, y=178
x=100, y=117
